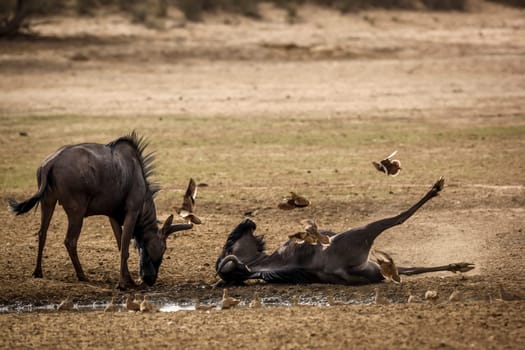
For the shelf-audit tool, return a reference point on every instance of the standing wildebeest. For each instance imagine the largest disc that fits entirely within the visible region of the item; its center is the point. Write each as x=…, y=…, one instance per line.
x=113, y=180
x=345, y=260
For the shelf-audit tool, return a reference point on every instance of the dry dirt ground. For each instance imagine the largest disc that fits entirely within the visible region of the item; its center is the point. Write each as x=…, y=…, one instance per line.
x=256, y=109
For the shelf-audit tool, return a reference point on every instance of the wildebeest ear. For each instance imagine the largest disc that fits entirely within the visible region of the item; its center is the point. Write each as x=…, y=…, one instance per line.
x=167, y=225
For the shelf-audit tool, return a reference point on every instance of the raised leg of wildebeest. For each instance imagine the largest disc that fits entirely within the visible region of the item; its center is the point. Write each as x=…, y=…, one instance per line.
x=46, y=210
x=376, y=228
x=117, y=231
x=73, y=232
x=356, y=243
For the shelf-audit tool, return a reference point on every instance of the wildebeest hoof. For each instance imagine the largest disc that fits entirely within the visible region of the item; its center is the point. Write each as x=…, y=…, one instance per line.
x=37, y=274
x=123, y=287
x=142, y=286
x=461, y=267
x=120, y=287
x=438, y=186
x=126, y=285
x=83, y=278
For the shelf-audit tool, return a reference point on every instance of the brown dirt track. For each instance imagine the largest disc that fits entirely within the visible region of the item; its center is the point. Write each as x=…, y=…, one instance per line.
x=256, y=109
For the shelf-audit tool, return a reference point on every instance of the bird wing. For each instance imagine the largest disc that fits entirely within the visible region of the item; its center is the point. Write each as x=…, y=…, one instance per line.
x=394, y=167
x=188, y=201
x=192, y=189
x=391, y=167
x=286, y=205
x=298, y=235
x=379, y=167
x=309, y=225
x=382, y=256
x=299, y=201
x=395, y=173
x=385, y=259
x=324, y=239
x=393, y=154
x=193, y=218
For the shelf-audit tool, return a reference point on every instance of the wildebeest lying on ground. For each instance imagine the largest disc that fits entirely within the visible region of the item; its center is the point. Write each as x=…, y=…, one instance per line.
x=345, y=260
x=112, y=180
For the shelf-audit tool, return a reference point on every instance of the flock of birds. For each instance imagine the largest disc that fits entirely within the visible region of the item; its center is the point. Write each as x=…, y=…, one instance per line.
x=141, y=303
x=311, y=235
x=389, y=166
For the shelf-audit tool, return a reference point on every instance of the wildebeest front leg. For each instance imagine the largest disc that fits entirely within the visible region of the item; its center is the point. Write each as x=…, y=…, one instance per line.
x=117, y=231
x=73, y=231
x=126, y=281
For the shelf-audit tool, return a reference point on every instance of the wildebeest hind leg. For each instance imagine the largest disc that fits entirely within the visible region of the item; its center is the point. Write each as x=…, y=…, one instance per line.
x=117, y=231
x=73, y=231
x=46, y=213
x=376, y=228
x=454, y=267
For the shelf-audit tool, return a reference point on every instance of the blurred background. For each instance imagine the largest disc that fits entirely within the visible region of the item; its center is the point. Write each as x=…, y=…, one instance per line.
x=17, y=13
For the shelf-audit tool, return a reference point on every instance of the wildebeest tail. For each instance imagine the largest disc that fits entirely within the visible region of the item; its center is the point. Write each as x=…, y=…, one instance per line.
x=23, y=207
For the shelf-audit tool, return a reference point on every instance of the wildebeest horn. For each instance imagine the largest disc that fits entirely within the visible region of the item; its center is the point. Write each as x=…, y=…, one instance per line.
x=230, y=258
x=168, y=228
x=180, y=227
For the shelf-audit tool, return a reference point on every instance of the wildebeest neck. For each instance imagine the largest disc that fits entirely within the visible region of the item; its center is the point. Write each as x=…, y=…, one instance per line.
x=146, y=225
x=139, y=144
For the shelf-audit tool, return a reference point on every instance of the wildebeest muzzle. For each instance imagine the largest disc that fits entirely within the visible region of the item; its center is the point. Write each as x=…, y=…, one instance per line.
x=148, y=268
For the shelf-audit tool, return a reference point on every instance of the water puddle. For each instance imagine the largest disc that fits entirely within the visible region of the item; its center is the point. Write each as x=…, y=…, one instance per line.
x=180, y=307
x=23, y=308
x=170, y=306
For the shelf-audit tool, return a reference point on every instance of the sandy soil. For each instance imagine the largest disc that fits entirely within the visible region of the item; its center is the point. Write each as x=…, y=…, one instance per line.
x=446, y=89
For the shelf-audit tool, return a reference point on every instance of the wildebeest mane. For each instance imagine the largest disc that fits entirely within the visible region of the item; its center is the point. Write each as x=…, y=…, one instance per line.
x=240, y=231
x=139, y=143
